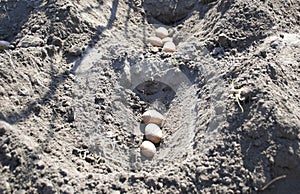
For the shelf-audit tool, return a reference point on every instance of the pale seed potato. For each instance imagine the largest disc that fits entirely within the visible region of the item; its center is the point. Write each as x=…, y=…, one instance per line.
x=161, y=32
x=148, y=149
x=153, y=133
x=155, y=41
x=152, y=116
x=169, y=47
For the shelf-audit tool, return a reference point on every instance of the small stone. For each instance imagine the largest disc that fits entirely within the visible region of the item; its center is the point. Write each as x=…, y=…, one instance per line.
x=154, y=50
x=169, y=47
x=161, y=32
x=153, y=133
x=148, y=149
x=155, y=41
x=5, y=45
x=167, y=39
x=152, y=116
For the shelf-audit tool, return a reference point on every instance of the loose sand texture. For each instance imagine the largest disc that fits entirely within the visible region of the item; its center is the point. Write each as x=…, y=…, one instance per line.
x=78, y=76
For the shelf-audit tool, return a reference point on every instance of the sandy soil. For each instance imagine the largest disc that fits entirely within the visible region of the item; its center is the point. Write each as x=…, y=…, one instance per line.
x=79, y=74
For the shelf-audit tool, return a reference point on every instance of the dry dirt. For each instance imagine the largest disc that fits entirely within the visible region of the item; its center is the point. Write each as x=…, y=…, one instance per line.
x=81, y=73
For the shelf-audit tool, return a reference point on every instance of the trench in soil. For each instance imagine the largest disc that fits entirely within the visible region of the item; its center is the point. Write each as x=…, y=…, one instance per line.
x=137, y=85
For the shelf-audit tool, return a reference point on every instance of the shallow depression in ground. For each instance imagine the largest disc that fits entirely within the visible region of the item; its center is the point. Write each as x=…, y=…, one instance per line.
x=154, y=85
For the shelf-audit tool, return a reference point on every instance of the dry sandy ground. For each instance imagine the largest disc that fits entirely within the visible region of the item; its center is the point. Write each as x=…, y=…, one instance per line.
x=81, y=73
